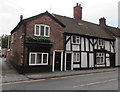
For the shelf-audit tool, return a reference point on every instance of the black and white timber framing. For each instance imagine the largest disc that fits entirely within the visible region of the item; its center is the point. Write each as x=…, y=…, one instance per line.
x=88, y=47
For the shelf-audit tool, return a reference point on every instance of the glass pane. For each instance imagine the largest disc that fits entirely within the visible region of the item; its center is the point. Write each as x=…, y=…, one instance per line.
x=44, y=58
x=74, y=39
x=37, y=30
x=78, y=40
x=74, y=57
x=42, y=31
x=32, y=59
x=39, y=57
x=78, y=57
x=47, y=32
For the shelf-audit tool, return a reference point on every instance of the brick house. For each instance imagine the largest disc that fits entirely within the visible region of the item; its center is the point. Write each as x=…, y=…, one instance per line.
x=50, y=42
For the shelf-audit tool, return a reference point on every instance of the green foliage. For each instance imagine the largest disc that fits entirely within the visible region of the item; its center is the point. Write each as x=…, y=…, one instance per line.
x=4, y=41
x=38, y=39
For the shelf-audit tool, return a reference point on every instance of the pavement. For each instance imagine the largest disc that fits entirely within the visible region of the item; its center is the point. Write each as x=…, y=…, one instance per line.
x=68, y=73
x=9, y=74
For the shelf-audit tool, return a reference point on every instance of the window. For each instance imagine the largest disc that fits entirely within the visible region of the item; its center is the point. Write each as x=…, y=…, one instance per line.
x=42, y=30
x=76, y=57
x=76, y=39
x=101, y=43
x=100, y=58
x=38, y=58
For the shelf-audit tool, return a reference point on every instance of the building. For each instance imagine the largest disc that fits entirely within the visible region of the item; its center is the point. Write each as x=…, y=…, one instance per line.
x=50, y=42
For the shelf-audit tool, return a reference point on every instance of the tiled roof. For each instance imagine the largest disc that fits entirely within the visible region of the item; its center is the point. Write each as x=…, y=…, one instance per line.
x=86, y=28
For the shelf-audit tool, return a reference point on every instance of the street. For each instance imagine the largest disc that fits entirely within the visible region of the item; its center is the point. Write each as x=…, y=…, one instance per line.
x=94, y=81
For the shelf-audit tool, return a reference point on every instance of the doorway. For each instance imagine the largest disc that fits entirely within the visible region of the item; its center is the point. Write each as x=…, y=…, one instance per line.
x=58, y=61
x=68, y=61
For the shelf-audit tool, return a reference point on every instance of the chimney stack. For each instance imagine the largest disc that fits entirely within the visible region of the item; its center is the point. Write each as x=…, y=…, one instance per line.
x=78, y=12
x=21, y=17
x=102, y=21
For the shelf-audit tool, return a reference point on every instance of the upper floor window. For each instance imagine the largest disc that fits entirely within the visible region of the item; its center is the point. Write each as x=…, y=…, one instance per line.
x=42, y=30
x=101, y=43
x=76, y=39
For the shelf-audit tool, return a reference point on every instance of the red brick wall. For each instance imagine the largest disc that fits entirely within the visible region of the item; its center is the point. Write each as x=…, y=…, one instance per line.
x=17, y=45
x=56, y=31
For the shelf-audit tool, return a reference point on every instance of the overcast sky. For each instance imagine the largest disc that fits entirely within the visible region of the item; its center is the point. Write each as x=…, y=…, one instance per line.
x=92, y=10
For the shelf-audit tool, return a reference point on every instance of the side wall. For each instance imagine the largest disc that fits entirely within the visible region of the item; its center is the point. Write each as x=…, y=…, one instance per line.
x=117, y=46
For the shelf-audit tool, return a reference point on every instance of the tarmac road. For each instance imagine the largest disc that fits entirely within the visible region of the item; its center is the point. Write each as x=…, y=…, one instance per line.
x=94, y=81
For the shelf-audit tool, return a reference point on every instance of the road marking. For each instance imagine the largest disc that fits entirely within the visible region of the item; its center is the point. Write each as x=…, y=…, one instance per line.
x=53, y=78
x=95, y=83
x=21, y=82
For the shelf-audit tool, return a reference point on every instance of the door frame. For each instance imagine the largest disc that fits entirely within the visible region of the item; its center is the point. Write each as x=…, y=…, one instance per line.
x=53, y=65
x=71, y=60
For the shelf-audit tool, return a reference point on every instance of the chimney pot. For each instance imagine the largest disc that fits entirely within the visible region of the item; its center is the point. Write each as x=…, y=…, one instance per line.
x=102, y=21
x=21, y=17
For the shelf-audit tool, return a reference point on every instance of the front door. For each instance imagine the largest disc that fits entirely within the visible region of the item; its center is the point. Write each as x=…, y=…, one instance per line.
x=68, y=61
x=57, y=60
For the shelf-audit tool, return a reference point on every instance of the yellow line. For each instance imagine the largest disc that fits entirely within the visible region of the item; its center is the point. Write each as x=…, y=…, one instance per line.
x=52, y=78
x=22, y=82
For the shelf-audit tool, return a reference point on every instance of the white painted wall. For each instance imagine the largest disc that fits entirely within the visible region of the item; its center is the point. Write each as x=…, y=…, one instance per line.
x=83, y=60
x=117, y=46
x=91, y=61
x=76, y=65
x=82, y=44
x=87, y=45
x=75, y=48
x=68, y=44
x=107, y=60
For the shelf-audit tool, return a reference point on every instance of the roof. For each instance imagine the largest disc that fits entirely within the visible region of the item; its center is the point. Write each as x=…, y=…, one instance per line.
x=71, y=25
x=87, y=28
x=35, y=17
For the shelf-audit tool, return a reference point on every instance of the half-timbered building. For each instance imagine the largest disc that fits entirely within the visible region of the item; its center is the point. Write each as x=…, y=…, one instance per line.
x=51, y=42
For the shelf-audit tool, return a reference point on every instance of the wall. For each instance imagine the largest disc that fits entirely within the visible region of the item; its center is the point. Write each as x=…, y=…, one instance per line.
x=117, y=46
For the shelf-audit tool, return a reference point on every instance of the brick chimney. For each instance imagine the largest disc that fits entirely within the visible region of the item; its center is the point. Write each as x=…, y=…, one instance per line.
x=78, y=12
x=102, y=21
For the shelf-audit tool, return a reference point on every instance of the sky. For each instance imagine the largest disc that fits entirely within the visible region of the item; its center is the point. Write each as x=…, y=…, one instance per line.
x=93, y=10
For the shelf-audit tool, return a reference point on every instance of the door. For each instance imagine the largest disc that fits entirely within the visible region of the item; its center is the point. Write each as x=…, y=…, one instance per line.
x=57, y=60
x=68, y=61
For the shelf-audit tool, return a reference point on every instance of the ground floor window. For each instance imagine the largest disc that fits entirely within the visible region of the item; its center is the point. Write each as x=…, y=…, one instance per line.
x=76, y=57
x=38, y=58
x=100, y=58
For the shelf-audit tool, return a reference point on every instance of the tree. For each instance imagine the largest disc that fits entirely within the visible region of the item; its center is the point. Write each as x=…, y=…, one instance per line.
x=4, y=41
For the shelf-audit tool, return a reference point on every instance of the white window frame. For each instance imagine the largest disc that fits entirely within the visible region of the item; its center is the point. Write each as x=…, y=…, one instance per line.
x=76, y=38
x=100, y=43
x=75, y=58
x=99, y=55
x=45, y=26
x=36, y=58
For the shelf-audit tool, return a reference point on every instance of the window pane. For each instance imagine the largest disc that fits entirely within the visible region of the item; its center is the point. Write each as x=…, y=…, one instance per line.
x=42, y=31
x=32, y=59
x=39, y=57
x=74, y=57
x=44, y=58
x=47, y=31
x=77, y=40
x=78, y=57
x=74, y=39
x=37, y=30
